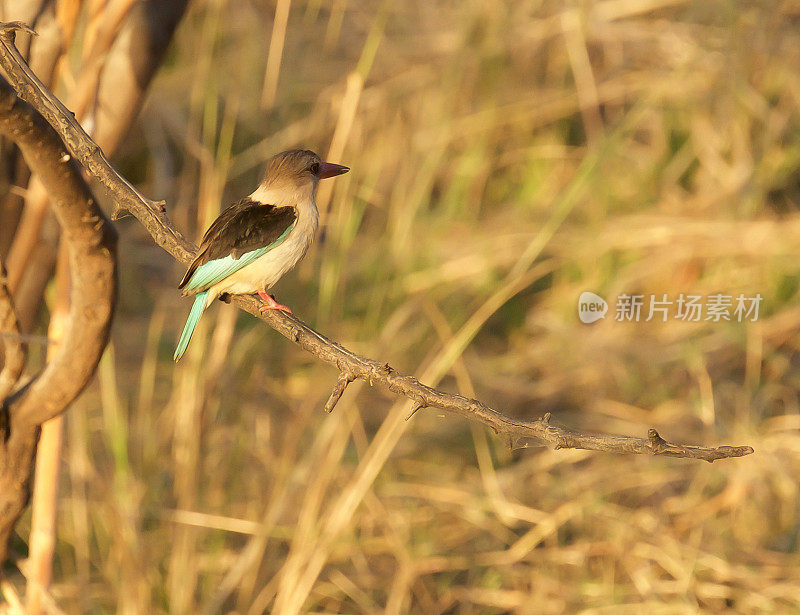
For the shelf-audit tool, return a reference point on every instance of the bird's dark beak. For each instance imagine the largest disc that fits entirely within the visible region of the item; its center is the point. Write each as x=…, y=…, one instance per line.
x=328, y=169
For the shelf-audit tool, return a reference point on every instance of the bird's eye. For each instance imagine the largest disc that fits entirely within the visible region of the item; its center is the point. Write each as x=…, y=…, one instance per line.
x=314, y=168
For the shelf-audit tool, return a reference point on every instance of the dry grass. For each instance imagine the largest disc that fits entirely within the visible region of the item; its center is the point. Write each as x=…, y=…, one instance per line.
x=506, y=157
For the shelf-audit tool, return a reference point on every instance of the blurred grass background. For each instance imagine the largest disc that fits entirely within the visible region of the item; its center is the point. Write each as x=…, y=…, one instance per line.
x=505, y=157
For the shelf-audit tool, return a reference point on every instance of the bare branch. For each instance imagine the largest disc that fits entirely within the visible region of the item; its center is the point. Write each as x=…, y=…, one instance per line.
x=91, y=246
x=14, y=351
x=127, y=47
x=345, y=378
x=35, y=93
x=155, y=221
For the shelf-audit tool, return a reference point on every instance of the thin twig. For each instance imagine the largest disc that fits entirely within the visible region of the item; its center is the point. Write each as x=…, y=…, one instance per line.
x=345, y=378
x=417, y=407
x=157, y=224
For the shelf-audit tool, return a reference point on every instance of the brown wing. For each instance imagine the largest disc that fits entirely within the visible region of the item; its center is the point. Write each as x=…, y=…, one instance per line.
x=243, y=227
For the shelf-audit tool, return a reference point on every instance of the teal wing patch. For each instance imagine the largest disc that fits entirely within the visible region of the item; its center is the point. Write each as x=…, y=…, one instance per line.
x=213, y=272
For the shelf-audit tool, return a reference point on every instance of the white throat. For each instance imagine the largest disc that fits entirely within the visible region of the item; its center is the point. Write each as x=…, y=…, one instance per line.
x=301, y=197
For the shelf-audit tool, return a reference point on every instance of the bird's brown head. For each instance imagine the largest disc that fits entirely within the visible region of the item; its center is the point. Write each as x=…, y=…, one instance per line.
x=298, y=167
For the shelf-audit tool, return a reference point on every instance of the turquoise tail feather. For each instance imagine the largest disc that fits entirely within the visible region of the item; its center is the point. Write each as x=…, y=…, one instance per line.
x=191, y=322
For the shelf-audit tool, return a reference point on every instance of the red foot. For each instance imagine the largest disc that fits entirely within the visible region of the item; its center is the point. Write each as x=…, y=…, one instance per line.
x=271, y=304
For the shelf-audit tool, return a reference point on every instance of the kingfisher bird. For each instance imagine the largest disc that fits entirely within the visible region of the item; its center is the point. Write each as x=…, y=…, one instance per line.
x=257, y=239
